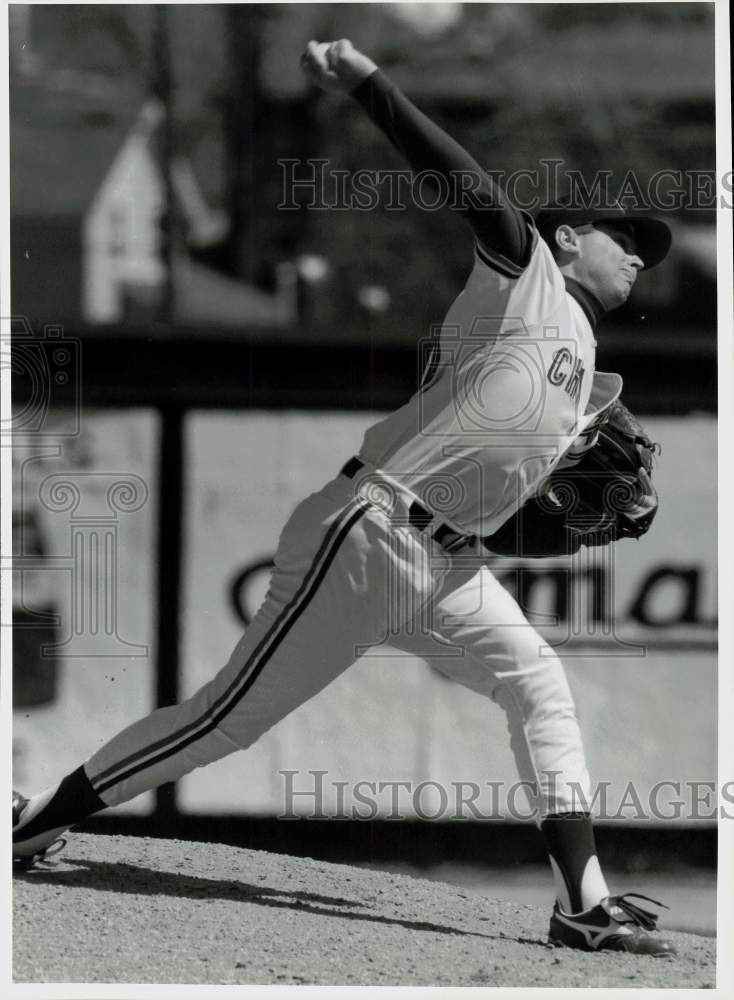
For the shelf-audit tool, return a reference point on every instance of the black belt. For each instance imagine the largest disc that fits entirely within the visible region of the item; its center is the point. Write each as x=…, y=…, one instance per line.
x=418, y=516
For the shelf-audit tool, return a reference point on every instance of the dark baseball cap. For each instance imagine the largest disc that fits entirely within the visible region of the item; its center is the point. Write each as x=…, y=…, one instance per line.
x=653, y=237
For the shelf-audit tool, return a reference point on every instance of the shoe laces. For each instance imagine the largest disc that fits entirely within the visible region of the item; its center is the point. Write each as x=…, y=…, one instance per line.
x=637, y=914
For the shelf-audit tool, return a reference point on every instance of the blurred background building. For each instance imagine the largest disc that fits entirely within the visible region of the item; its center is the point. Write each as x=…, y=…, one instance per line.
x=124, y=114
x=229, y=353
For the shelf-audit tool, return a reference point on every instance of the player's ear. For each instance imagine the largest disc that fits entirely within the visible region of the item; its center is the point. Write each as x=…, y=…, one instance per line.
x=567, y=239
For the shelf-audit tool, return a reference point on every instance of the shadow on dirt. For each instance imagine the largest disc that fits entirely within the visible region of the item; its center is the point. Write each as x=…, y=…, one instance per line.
x=121, y=877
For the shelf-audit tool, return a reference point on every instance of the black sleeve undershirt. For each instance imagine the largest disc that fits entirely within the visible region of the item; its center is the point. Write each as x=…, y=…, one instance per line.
x=499, y=226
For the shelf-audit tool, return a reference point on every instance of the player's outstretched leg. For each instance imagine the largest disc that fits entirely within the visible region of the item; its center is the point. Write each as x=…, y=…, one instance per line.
x=330, y=597
x=502, y=660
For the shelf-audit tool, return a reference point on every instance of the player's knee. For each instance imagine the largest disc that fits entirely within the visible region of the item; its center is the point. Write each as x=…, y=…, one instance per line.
x=536, y=687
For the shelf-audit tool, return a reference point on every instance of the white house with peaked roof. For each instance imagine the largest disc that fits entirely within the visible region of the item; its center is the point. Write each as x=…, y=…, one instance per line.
x=120, y=231
x=87, y=196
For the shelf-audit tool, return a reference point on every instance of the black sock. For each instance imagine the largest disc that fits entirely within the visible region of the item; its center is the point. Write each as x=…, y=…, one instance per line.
x=569, y=838
x=73, y=801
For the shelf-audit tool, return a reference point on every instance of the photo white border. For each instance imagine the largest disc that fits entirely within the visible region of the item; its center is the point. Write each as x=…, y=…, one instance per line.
x=725, y=965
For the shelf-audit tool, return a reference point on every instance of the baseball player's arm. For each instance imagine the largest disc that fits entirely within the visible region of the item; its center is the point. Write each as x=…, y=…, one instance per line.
x=500, y=228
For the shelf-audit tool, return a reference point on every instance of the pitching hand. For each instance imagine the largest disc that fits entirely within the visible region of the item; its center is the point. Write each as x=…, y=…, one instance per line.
x=336, y=66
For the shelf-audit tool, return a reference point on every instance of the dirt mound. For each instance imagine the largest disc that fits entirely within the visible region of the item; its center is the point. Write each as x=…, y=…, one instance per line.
x=134, y=910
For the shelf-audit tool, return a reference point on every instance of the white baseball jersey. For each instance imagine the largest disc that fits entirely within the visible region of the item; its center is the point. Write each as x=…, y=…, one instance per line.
x=510, y=387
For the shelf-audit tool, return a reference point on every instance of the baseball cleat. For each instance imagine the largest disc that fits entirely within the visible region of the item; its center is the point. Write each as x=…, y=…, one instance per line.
x=26, y=853
x=615, y=924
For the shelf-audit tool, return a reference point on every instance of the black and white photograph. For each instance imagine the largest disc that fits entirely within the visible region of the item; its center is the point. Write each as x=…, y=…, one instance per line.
x=366, y=376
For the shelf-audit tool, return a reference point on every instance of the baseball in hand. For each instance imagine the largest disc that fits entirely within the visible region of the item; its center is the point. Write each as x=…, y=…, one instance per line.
x=336, y=66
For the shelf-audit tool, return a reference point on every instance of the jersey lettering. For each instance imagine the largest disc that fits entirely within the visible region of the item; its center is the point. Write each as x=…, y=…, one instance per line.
x=557, y=373
x=573, y=386
x=567, y=371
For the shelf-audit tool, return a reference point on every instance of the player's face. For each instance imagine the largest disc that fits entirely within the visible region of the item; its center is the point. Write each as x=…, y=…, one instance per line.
x=608, y=262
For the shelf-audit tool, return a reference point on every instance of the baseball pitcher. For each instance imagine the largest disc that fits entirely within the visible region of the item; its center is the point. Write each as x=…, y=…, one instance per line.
x=510, y=419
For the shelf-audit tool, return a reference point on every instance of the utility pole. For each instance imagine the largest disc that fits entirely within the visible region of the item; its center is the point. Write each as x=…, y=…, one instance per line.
x=243, y=24
x=162, y=87
x=170, y=459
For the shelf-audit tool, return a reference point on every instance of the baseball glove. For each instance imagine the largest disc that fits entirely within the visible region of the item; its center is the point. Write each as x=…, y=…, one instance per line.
x=606, y=495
